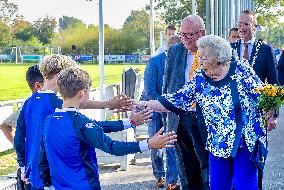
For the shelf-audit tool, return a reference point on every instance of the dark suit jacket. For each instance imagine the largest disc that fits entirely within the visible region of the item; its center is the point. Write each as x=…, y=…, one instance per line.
x=174, y=77
x=264, y=65
x=280, y=69
x=153, y=79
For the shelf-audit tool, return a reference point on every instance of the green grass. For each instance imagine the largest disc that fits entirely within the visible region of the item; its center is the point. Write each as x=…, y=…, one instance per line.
x=13, y=84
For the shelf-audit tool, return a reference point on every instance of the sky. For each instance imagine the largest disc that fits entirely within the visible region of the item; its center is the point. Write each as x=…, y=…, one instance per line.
x=115, y=11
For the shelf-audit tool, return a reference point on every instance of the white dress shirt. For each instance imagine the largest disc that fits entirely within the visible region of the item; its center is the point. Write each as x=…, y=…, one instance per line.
x=250, y=47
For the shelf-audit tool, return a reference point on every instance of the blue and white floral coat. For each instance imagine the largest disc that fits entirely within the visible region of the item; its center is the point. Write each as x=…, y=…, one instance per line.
x=229, y=108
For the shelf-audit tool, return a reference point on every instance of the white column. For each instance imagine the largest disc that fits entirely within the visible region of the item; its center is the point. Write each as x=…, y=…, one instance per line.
x=232, y=13
x=216, y=14
x=101, y=55
x=194, y=7
x=220, y=15
x=212, y=16
x=152, y=42
x=208, y=16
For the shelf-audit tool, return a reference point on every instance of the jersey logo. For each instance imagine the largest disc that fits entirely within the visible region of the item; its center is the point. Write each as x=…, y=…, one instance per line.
x=90, y=125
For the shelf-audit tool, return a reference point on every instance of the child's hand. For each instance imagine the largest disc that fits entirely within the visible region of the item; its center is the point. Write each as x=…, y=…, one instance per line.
x=141, y=117
x=160, y=140
x=25, y=180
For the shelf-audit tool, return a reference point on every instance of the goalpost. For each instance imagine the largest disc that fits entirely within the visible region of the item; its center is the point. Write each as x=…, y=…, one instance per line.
x=33, y=53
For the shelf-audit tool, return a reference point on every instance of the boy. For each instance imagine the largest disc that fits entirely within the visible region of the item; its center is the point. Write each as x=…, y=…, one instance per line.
x=70, y=138
x=35, y=81
x=32, y=116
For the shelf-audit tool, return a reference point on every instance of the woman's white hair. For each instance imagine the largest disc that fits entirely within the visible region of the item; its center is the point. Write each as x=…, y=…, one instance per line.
x=219, y=48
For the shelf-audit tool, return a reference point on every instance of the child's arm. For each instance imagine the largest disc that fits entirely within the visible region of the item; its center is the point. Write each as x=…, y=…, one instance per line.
x=135, y=119
x=120, y=102
x=93, y=134
x=19, y=140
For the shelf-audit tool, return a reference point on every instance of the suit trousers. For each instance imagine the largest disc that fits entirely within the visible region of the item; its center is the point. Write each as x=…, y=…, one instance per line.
x=191, y=139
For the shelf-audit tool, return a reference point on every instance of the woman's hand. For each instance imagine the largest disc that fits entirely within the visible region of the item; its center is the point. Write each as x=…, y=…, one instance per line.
x=271, y=120
x=271, y=123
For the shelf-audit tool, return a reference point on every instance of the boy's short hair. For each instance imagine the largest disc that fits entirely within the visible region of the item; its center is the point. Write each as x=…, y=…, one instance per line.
x=33, y=75
x=51, y=65
x=170, y=27
x=233, y=29
x=71, y=81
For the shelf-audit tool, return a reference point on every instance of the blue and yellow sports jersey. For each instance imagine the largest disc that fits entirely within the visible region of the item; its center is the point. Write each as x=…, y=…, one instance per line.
x=69, y=141
x=29, y=130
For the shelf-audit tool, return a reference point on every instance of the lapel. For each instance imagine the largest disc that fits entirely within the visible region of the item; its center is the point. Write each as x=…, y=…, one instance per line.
x=239, y=48
x=253, y=52
x=162, y=64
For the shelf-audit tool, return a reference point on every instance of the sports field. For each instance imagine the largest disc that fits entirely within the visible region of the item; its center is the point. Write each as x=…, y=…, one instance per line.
x=13, y=84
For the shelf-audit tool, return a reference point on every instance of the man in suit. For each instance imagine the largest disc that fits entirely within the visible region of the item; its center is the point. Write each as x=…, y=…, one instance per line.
x=258, y=53
x=153, y=83
x=182, y=60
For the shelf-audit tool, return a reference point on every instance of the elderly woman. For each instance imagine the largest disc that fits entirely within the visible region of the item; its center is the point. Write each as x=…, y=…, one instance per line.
x=225, y=97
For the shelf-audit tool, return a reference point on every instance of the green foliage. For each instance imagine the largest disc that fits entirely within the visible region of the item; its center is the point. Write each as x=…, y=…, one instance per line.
x=67, y=22
x=85, y=39
x=173, y=11
x=5, y=35
x=44, y=29
x=268, y=11
x=8, y=11
x=273, y=35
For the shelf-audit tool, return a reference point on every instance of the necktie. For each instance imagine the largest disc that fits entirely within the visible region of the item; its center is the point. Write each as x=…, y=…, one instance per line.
x=194, y=65
x=193, y=68
x=246, y=54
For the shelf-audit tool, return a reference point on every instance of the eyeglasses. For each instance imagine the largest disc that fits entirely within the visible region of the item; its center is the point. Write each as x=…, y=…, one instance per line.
x=245, y=24
x=187, y=35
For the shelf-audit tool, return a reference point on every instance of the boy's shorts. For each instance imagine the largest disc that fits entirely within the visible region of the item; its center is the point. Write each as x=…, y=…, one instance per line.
x=12, y=119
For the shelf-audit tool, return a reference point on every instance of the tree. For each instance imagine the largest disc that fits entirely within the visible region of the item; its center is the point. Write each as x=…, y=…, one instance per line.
x=66, y=22
x=45, y=29
x=22, y=30
x=173, y=11
x=5, y=35
x=8, y=12
x=138, y=22
x=268, y=12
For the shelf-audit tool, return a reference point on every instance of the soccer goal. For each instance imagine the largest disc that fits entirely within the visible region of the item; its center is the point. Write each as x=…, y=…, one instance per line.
x=33, y=53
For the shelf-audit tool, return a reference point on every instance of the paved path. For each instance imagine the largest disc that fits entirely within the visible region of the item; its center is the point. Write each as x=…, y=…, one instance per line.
x=140, y=175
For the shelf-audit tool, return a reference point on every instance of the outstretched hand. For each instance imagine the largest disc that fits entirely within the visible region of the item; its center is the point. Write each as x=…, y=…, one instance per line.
x=160, y=140
x=121, y=103
x=141, y=117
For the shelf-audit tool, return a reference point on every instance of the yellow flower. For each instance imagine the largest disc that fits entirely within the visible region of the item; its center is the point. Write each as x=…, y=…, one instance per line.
x=282, y=91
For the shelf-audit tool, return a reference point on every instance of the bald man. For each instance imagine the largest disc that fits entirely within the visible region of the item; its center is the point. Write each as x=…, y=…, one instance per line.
x=182, y=60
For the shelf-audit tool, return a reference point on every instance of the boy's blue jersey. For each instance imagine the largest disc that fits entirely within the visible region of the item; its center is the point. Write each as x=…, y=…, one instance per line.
x=29, y=130
x=69, y=138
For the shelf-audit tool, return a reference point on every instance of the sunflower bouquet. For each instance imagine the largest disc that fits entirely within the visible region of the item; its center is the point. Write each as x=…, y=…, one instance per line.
x=271, y=99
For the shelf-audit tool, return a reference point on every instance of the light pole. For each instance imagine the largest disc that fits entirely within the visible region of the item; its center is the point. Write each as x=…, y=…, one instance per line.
x=101, y=55
x=194, y=7
x=152, y=42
